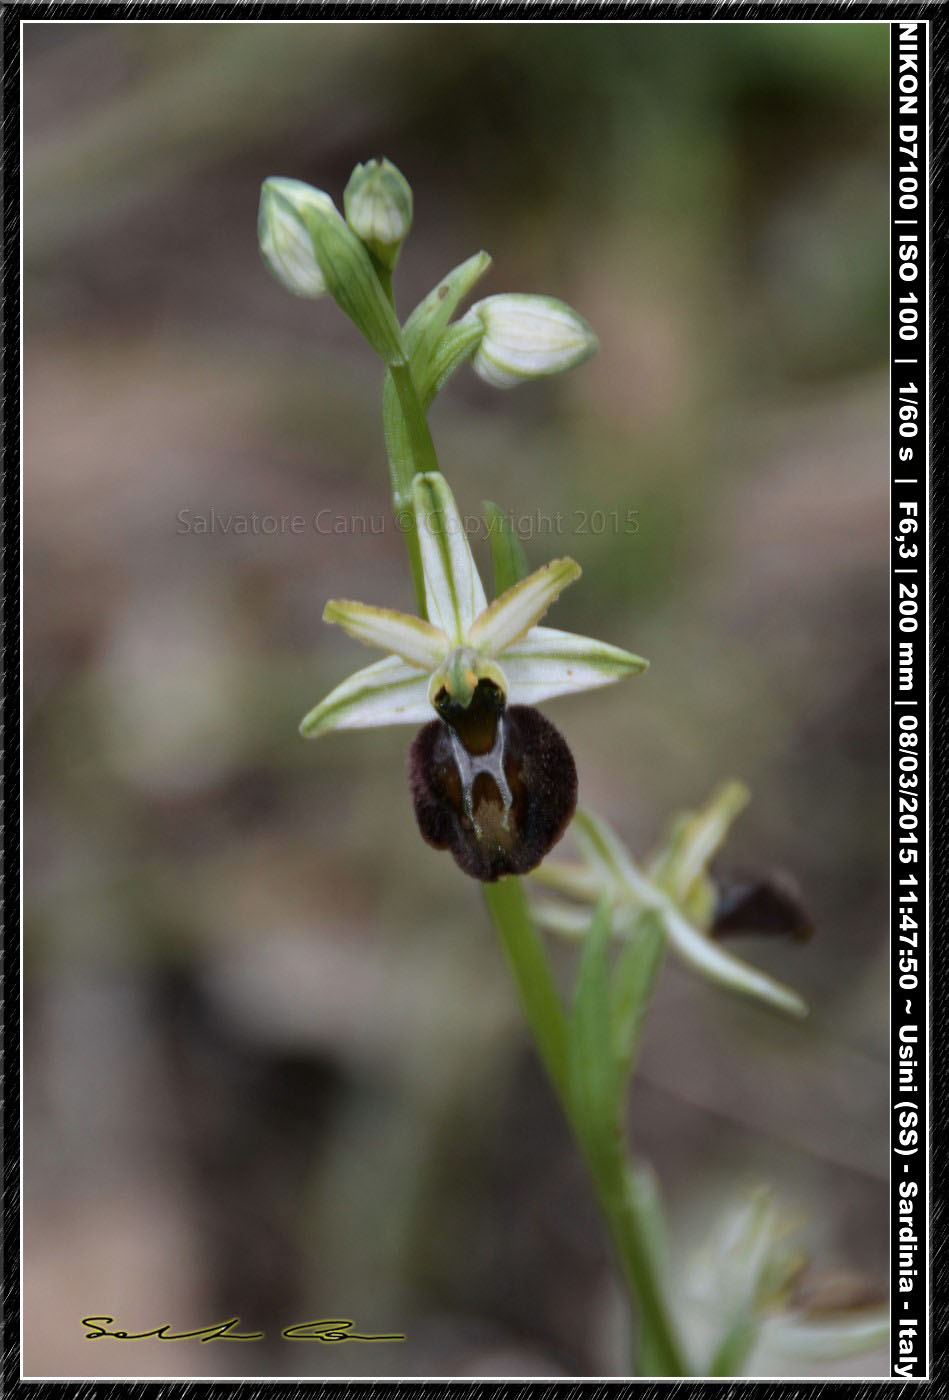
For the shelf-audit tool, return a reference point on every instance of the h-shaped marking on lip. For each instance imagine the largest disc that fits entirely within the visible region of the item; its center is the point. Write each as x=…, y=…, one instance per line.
x=471, y=765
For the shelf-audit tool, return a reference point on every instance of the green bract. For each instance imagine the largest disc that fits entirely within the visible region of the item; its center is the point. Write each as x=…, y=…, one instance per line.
x=464, y=639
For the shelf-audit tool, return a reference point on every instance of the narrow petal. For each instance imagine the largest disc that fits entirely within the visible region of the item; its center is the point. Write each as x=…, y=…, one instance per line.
x=605, y=851
x=515, y=612
x=415, y=641
x=549, y=662
x=387, y=692
x=453, y=590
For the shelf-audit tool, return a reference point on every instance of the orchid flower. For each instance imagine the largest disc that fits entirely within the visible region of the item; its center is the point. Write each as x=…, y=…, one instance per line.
x=491, y=778
x=669, y=891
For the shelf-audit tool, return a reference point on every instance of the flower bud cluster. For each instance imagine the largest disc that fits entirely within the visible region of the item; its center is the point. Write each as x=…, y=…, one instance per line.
x=312, y=249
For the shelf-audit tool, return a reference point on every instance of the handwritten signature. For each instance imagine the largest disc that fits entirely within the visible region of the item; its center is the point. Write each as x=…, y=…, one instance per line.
x=326, y=1330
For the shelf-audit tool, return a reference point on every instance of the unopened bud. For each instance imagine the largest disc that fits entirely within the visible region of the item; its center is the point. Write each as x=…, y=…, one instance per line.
x=378, y=204
x=527, y=336
x=285, y=240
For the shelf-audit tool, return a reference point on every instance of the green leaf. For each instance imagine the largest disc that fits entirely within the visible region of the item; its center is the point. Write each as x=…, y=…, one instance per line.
x=593, y=1081
x=507, y=552
x=631, y=986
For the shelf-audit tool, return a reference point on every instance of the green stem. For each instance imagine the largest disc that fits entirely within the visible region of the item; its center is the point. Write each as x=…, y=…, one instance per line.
x=409, y=447
x=615, y=1190
x=532, y=976
x=410, y=450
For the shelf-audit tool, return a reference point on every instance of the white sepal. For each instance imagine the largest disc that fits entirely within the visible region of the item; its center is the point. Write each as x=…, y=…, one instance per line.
x=387, y=692
x=453, y=591
x=548, y=662
x=711, y=959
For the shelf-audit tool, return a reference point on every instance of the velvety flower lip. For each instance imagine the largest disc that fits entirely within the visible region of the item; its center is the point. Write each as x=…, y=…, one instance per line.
x=464, y=639
x=499, y=801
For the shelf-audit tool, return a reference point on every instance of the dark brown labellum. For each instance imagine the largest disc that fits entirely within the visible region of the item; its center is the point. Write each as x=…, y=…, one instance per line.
x=761, y=902
x=496, y=786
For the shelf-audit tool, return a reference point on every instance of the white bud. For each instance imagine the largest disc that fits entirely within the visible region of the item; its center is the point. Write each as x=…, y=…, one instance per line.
x=527, y=336
x=378, y=204
x=285, y=240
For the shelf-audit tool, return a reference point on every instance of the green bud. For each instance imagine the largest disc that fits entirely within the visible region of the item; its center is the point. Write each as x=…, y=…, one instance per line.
x=378, y=204
x=284, y=239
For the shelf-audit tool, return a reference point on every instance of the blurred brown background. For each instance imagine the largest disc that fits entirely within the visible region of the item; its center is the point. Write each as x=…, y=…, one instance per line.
x=274, y=1064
